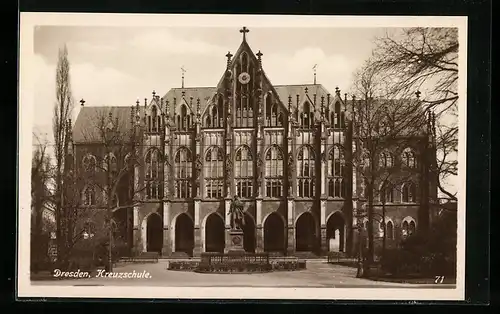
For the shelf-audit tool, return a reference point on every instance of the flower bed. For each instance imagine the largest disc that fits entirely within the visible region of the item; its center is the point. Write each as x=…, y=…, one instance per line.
x=183, y=265
x=274, y=265
x=288, y=265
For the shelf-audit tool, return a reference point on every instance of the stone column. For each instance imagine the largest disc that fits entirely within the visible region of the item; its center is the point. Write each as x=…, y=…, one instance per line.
x=198, y=241
x=259, y=228
x=324, y=167
x=324, y=240
x=137, y=232
x=290, y=247
x=227, y=223
x=167, y=249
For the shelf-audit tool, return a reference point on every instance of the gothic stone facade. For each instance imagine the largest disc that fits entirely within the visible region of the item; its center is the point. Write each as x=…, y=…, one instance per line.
x=284, y=150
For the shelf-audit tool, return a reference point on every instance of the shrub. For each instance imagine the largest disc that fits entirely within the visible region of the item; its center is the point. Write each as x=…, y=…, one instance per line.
x=428, y=254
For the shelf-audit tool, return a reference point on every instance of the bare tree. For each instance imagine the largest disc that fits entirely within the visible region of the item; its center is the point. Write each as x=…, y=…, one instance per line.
x=113, y=174
x=426, y=59
x=62, y=113
x=40, y=197
x=382, y=128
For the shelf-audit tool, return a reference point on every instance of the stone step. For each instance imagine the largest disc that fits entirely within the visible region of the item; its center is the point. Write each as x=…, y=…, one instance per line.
x=149, y=255
x=180, y=255
x=308, y=255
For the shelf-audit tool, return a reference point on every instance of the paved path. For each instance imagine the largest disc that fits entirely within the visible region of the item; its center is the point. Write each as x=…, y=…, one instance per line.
x=318, y=274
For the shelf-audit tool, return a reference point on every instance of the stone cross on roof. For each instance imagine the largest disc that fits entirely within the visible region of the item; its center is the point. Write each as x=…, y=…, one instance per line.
x=244, y=30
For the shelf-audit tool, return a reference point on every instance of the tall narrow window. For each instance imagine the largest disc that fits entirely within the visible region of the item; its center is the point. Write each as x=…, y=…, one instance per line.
x=152, y=175
x=154, y=120
x=336, y=172
x=110, y=163
x=306, y=116
x=408, y=158
x=386, y=194
x=389, y=230
x=338, y=116
x=409, y=192
x=183, y=119
x=243, y=172
x=214, y=172
x=274, y=116
x=183, y=172
x=214, y=115
x=89, y=196
x=386, y=160
x=306, y=172
x=274, y=172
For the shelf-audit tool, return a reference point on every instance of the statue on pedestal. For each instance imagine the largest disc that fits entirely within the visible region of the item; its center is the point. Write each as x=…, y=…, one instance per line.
x=237, y=214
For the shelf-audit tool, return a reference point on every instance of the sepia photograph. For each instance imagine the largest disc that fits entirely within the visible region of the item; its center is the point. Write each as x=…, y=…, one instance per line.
x=209, y=156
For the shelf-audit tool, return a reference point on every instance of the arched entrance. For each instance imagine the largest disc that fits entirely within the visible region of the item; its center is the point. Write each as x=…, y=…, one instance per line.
x=214, y=234
x=274, y=234
x=184, y=234
x=154, y=233
x=335, y=233
x=249, y=234
x=305, y=233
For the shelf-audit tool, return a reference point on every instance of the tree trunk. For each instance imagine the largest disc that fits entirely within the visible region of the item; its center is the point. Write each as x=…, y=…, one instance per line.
x=371, y=249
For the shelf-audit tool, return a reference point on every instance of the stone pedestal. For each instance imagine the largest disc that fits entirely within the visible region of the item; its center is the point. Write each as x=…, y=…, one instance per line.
x=236, y=241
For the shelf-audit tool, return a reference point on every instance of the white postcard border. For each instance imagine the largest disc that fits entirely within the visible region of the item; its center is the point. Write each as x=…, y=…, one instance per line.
x=25, y=109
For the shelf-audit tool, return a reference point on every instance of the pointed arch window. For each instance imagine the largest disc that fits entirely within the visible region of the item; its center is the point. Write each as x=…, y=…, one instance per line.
x=89, y=163
x=409, y=192
x=274, y=172
x=89, y=196
x=306, y=116
x=408, y=158
x=243, y=172
x=183, y=119
x=336, y=172
x=111, y=161
x=274, y=116
x=306, y=172
x=152, y=175
x=386, y=160
x=338, y=116
x=408, y=227
x=214, y=114
x=386, y=194
x=389, y=230
x=244, y=109
x=183, y=172
x=154, y=120
x=214, y=172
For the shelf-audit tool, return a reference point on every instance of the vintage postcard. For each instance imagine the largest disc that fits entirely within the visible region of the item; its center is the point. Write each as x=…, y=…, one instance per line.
x=255, y=157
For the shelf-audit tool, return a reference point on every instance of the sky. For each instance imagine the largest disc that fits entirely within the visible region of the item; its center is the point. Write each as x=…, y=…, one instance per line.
x=115, y=66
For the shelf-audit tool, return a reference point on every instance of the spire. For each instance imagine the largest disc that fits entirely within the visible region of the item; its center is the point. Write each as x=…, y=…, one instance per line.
x=259, y=58
x=314, y=69
x=183, y=71
x=244, y=30
x=228, y=56
x=322, y=108
x=137, y=111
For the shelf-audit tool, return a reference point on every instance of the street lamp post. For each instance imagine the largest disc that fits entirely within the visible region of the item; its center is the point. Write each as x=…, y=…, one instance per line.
x=359, y=227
